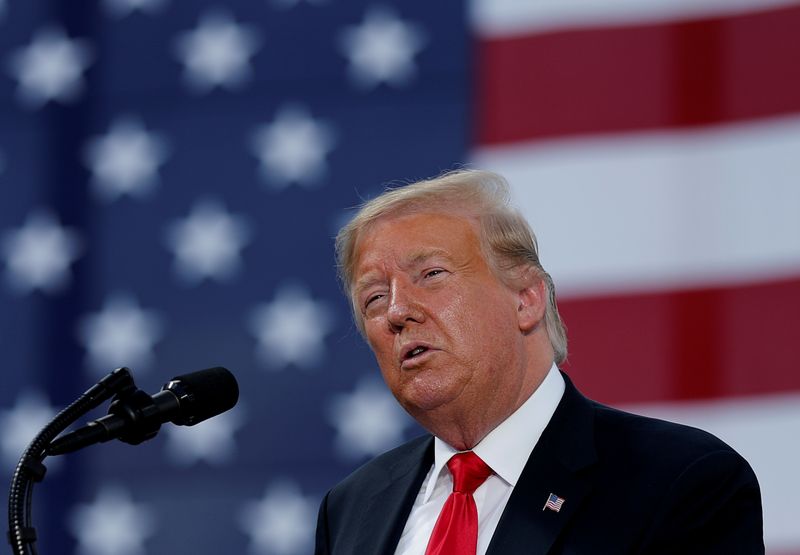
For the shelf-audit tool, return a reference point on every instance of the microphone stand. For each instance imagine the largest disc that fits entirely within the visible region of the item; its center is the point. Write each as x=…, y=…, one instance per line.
x=30, y=469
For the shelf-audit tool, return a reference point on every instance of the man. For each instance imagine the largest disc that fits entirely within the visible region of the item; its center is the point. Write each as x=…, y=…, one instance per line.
x=446, y=286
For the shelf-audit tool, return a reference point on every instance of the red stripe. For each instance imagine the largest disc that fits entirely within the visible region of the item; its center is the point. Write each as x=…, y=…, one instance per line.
x=665, y=75
x=700, y=344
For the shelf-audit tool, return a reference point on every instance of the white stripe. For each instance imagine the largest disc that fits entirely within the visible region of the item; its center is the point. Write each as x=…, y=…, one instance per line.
x=499, y=18
x=764, y=431
x=667, y=210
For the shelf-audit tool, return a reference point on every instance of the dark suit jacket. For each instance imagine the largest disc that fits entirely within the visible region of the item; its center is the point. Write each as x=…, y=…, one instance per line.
x=630, y=484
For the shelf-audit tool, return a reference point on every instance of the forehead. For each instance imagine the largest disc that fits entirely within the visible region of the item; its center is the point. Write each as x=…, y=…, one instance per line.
x=406, y=239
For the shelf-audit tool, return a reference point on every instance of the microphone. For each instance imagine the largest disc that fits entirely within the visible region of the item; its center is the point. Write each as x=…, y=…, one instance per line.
x=135, y=416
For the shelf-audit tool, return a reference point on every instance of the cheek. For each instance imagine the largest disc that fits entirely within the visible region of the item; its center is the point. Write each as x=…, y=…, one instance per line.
x=482, y=316
x=382, y=346
x=487, y=333
x=456, y=312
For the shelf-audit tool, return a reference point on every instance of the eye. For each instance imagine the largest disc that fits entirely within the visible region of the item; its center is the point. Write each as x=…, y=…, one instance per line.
x=372, y=298
x=433, y=273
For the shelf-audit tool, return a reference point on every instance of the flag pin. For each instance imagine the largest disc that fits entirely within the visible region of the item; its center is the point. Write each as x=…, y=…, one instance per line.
x=553, y=503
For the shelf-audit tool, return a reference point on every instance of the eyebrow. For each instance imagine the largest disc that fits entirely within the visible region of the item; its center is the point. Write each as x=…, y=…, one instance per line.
x=425, y=254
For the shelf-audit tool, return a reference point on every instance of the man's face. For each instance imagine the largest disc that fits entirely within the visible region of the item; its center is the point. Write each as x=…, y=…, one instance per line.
x=443, y=327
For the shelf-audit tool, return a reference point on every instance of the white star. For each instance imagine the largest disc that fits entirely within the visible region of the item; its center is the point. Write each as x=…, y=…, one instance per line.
x=291, y=329
x=123, y=8
x=217, y=52
x=382, y=49
x=126, y=160
x=121, y=334
x=281, y=523
x=39, y=254
x=292, y=149
x=50, y=68
x=210, y=440
x=207, y=242
x=112, y=525
x=368, y=421
x=20, y=424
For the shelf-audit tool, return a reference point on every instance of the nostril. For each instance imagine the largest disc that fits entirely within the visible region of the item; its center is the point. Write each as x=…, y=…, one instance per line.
x=394, y=327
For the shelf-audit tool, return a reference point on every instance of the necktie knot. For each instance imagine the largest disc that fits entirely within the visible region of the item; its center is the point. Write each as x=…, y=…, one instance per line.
x=468, y=471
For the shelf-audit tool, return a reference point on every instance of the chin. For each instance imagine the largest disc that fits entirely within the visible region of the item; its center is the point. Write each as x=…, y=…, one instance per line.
x=425, y=393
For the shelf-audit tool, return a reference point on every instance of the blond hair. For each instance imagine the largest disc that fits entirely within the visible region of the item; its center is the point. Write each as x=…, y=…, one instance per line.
x=508, y=241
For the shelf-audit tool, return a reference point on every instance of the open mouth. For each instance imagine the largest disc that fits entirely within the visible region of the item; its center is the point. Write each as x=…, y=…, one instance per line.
x=415, y=352
x=412, y=355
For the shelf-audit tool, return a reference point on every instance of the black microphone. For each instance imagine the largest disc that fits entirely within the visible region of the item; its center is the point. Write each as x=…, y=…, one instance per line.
x=135, y=416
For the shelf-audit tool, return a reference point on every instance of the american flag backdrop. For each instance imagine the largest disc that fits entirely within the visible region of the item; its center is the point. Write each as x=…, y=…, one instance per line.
x=172, y=174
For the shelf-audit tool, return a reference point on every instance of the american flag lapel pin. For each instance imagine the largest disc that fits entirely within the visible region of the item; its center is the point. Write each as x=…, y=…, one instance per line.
x=553, y=503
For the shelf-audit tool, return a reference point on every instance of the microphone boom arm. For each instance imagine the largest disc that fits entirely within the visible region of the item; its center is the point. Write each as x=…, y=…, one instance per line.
x=21, y=534
x=133, y=417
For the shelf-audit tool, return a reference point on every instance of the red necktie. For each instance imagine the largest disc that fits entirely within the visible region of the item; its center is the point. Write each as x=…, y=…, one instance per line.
x=456, y=529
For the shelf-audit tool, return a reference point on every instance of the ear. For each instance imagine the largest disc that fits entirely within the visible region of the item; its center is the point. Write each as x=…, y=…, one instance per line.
x=531, y=301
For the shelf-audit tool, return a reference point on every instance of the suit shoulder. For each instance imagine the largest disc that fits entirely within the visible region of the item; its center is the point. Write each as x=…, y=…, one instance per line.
x=389, y=465
x=659, y=442
x=697, y=489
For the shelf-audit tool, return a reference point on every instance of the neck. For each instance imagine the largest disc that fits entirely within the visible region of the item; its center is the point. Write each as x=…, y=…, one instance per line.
x=463, y=427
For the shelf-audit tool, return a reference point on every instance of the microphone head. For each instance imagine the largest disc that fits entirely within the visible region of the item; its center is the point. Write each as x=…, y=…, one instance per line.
x=203, y=394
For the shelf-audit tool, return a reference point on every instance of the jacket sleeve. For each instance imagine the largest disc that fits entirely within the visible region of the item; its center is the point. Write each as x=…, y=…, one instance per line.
x=712, y=507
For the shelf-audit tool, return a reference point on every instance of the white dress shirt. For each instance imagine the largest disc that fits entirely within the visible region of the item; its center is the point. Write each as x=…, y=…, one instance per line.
x=505, y=449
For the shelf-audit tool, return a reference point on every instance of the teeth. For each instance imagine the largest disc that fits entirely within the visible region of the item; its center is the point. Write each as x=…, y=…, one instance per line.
x=417, y=351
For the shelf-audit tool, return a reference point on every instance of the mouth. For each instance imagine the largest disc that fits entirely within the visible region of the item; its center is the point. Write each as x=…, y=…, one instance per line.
x=414, y=355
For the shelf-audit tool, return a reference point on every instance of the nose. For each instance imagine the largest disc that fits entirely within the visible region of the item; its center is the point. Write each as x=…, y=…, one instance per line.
x=404, y=308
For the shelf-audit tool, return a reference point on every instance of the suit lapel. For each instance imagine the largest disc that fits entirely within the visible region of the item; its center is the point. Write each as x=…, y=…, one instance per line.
x=561, y=464
x=388, y=509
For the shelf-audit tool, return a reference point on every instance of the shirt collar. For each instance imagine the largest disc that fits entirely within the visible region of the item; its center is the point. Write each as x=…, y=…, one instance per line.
x=507, y=448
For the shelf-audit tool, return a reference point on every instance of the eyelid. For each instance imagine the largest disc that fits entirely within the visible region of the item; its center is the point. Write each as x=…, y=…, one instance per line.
x=368, y=288
x=369, y=297
x=427, y=271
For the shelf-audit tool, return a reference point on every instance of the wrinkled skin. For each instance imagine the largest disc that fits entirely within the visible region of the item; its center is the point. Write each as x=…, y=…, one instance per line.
x=422, y=279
